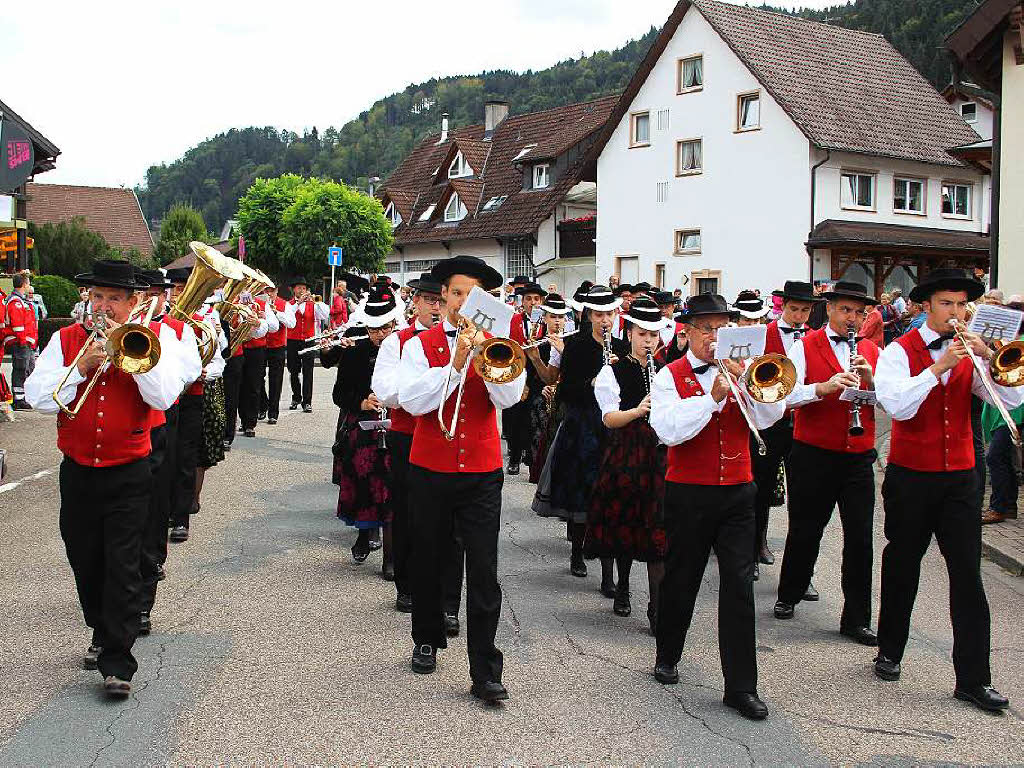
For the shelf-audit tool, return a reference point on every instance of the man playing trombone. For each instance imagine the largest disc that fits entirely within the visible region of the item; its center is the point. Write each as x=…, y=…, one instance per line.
x=105, y=477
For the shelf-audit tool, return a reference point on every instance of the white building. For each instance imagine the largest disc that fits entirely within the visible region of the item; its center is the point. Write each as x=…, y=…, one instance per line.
x=751, y=147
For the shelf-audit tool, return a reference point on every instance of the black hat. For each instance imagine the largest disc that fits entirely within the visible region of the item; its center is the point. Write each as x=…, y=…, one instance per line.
x=299, y=280
x=664, y=297
x=750, y=305
x=707, y=304
x=470, y=266
x=520, y=279
x=796, y=290
x=154, y=277
x=644, y=312
x=641, y=288
x=112, y=273
x=355, y=283
x=600, y=299
x=380, y=308
x=531, y=288
x=946, y=279
x=179, y=275
x=849, y=290
x=554, y=305
x=425, y=284
x=622, y=288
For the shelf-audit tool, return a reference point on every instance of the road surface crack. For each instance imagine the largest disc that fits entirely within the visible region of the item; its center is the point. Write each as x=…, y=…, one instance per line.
x=913, y=733
x=511, y=529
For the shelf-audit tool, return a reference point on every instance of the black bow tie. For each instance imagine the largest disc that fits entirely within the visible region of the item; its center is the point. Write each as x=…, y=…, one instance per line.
x=943, y=338
x=790, y=330
x=702, y=369
x=451, y=334
x=845, y=340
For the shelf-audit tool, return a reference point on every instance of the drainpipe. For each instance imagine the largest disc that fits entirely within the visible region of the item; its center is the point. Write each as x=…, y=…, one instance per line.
x=814, y=186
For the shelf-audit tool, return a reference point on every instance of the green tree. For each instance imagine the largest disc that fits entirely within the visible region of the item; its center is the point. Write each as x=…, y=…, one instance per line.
x=67, y=248
x=179, y=227
x=259, y=216
x=326, y=213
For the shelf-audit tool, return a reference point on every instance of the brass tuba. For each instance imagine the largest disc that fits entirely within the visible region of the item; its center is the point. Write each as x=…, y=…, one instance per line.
x=770, y=378
x=242, y=318
x=1007, y=364
x=212, y=269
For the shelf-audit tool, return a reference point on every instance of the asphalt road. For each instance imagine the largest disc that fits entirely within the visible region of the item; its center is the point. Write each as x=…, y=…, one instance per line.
x=271, y=645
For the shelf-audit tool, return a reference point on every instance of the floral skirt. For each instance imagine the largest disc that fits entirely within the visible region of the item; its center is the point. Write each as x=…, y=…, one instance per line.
x=574, y=461
x=540, y=435
x=625, y=516
x=211, y=448
x=362, y=473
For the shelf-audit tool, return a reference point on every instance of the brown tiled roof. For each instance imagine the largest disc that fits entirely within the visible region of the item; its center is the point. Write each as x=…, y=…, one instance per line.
x=834, y=232
x=112, y=212
x=845, y=90
x=556, y=130
x=404, y=199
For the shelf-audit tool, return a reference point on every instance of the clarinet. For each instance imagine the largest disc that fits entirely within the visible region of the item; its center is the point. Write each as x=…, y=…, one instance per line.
x=649, y=378
x=856, y=428
x=382, y=433
x=607, y=346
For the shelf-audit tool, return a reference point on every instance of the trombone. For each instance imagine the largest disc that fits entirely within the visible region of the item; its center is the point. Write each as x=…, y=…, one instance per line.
x=132, y=348
x=1006, y=367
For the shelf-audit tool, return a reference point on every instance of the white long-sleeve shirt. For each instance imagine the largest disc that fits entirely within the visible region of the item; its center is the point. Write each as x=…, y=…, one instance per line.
x=215, y=368
x=386, y=375
x=803, y=393
x=159, y=387
x=270, y=317
x=676, y=419
x=421, y=387
x=788, y=339
x=901, y=394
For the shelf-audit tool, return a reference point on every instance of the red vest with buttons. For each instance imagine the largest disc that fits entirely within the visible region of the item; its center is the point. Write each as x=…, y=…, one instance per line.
x=113, y=426
x=826, y=423
x=305, y=322
x=773, y=340
x=401, y=421
x=939, y=437
x=261, y=342
x=476, y=446
x=720, y=453
x=278, y=338
x=157, y=418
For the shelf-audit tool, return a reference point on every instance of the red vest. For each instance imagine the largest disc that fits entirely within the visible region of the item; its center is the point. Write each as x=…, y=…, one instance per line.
x=262, y=341
x=401, y=421
x=305, y=322
x=939, y=437
x=773, y=340
x=278, y=338
x=476, y=446
x=112, y=428
x=826, y=423
x=720, y=453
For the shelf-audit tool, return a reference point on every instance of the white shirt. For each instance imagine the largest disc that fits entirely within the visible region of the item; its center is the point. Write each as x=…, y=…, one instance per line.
x=901, y=394
x=215, y=368
x=607, y=391
x=384, y=382
x=668, y=330
x=804, y=393
x=286, y=317
x=789, y=338
x=421, y=387
x=187, y=349
x=159, y=387
x=676, y=419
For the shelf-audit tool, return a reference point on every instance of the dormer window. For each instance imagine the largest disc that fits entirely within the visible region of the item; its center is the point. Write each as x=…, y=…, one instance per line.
x=494, y=203
x=393, y=215
x=425, y=216
x=455, y=210
x=459, y=167
x=541, y=176
x=969, y=111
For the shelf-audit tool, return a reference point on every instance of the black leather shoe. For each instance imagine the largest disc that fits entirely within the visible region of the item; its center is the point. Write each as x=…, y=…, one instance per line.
x=451, y=625
x=424, y=659
x=249, y=433
x=747, y=704
x=489, y=691
x=179, y=533
x=21, y=405
x=403, y=603
x=811, y=594
x=387, y=571
x=666, y=674
x=271, y=421
x=513, y=469
x=307, y=409
x=983, y=697
x=783, y=610
x=262, y=416
x=577, y=567
x=91, y=658
x=862, y=635
x=886, y=668
x=294, y=406
x=161, y=572
x=765, y=556
x=360, y=550
x=227, y=446
x=622, y=606
x=145, y=624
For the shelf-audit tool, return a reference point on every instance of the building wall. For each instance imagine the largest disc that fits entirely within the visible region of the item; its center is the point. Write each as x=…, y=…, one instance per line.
x=983, y=125
x=1011, y=193
x=408, y=265
x=751, y=202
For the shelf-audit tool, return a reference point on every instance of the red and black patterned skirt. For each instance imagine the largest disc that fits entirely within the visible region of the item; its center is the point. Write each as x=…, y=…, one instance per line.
x=362, y=473
x=625, y=515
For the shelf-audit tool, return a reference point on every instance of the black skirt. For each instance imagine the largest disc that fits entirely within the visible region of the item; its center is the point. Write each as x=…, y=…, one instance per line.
x=362, y=474
x=574, y=461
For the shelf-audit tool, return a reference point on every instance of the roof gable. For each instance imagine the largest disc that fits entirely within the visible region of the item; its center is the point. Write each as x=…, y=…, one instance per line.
x=112, y=212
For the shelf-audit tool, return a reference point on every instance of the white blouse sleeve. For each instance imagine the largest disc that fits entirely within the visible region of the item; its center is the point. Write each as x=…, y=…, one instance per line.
x=607, y=391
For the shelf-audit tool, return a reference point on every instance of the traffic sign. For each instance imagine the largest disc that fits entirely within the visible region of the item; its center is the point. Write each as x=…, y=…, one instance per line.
x=334, y=256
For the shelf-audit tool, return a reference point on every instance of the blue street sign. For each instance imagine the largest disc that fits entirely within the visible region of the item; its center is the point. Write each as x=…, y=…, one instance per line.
x=334, y=255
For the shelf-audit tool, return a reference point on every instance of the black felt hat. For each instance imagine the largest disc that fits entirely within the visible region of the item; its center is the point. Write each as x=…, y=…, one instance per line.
x=947, y=279
x=664, y=297
x=796, y=290
x=298, y=280
x=380, y=308
x=600, y=299
x=112, y=273
x=470, y=266
x=154, y=277
x=622, y=288
x=845, y=289
x=518, y=279
x=750, y=305
x=531, y=288
x=644, y=312
x=179, y=275
x=425, y=284
x=355, y=283
x=554, y=305
x=707, y=304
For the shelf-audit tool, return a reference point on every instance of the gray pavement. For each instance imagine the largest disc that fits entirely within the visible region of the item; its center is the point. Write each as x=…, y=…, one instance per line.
x=271, y=646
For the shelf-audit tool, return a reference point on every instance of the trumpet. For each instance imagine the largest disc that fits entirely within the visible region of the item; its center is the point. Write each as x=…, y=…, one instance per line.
x=1006, y=367
x=132, y=347
x=546, y=339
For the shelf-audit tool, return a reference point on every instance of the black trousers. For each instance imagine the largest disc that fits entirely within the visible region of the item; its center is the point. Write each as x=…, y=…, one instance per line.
x=232, y=390
x=516, y=421
x=778, y=439
x=23, y=362
x=103, y=514
x=270, y=403
x=819, y=481
x=468, y=506
x=917, y=506
x=190, y=437
x=1001, y=461
x=253, y=366
x=154, y=540
x=699, y=518
x=302, y=392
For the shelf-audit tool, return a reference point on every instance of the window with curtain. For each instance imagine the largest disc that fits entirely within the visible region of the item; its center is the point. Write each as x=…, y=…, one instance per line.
x=640, y=131
x=908, y=196
x=749, y=112
x=689, y=157
x=858, y=190
x=707, y=285
x=541, y=176
x=659, y=276
x=956, y=200
x=691, y=74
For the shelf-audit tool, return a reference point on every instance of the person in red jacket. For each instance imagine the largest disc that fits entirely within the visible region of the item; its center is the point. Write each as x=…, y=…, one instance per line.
x=828, y=465
x=23, y=338
x=874, y=328
x=925, y=380
x=455, y=484
x=709, y=503
x=105, y=477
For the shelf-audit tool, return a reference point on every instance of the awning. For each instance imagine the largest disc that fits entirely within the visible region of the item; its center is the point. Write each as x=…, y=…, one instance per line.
x=896, y=237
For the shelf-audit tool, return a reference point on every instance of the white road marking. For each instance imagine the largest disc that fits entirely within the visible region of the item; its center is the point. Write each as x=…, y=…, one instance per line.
x=37, y=476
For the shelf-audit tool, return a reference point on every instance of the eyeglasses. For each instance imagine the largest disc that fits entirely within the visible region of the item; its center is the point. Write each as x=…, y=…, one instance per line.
x=708, y=330
x=384, y=329
x=431, y=300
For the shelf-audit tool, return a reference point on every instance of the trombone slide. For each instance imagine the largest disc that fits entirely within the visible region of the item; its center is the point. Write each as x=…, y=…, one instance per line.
x=959, y=329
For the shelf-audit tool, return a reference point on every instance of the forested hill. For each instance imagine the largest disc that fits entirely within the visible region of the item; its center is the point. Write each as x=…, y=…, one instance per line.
x=213, y=175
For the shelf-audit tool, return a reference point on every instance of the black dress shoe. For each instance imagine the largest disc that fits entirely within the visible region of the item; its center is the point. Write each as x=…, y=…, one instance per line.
x=360, y=550
x=886, y=668
x=513, y=469
x=403, y=603
x=811, y=594
x=424, y=659
x=272, y=421
x=983, y=697
x=294, y=406
x=451, y=625
x=747, y=704
x=862, y=635
x=307, y=409
x=666, y=674
x=262, y=416
x=489, y=691
x=249, y=432
x=765, y=556
x=91, y=658
x=608, y=588
x=622, y=606
x=387, y=571
x=227, y=446
x=179, y=533
x=577, y=567
x=783, y=610
x=21, y=405
x=161, y=572
x=145, y=624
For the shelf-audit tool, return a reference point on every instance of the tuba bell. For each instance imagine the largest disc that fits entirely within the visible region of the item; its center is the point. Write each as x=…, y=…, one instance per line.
x=770, y=378
x=212, y=269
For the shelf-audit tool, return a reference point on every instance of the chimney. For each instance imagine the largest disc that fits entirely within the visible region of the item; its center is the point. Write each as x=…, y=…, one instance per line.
x=444, y=128
x=494, y=113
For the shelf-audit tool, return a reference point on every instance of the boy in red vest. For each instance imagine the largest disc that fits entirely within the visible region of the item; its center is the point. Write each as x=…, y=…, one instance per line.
x=455, y=484
x=925, y=380
x=709, y=503
x=304, y=309
x=277, y=354
x=828, y=465
x=105, y=478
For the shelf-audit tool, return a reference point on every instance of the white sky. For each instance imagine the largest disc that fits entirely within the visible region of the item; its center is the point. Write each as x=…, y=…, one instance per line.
x=120, y=86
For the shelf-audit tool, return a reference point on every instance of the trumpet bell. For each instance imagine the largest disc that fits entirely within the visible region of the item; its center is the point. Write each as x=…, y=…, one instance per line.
x=770, y=378
x=133, y=348
x=1007, y=366
x=499, y=360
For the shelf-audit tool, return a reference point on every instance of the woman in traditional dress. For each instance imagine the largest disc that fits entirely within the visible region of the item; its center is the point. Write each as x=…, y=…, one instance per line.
x=211, y=446
x=541, y=378
x=624, y=517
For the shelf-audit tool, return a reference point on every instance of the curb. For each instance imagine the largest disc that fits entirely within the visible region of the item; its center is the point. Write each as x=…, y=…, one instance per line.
x=1005, y=560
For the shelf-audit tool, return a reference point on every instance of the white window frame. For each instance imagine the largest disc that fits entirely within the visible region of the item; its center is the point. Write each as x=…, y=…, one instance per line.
x=872, y=176
x=740, y=99
x=542, y=173
x=680, y=65
x=679, y=249
x=393, y=215
x=680, y=171
x=633, y=119
x=460, y=166
x=972, y=104
x=908, y=180
x=460, y=210
x=954, y=183
x=427, y=213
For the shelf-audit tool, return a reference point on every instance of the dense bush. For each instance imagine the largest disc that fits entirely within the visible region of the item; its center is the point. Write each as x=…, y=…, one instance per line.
x=59, y=295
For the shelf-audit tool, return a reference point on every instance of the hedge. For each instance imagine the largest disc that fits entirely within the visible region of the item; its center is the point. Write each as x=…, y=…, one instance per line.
x=59, y=294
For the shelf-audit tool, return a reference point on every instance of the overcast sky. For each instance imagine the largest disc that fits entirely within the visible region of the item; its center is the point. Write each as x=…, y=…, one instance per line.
x=120, y=86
